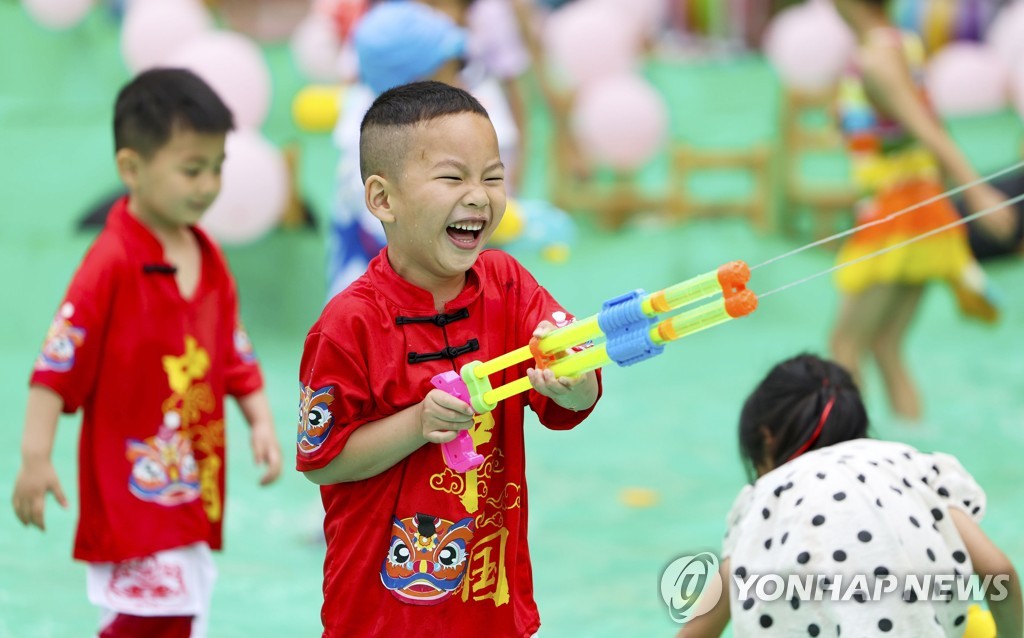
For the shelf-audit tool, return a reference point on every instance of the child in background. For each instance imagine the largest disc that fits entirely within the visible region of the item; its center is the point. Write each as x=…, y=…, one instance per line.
x=900, y=153
x=414, y=548
x=147, y=342
x=827, y=501
x=396, y=43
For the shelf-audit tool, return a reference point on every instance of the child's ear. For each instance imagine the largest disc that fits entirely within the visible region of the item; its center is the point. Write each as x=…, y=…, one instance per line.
x=128, y=162
x=379, y=198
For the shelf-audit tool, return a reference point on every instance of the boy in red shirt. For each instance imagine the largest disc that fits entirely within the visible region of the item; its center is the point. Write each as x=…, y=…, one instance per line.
x=413, y=547
x=147, y=343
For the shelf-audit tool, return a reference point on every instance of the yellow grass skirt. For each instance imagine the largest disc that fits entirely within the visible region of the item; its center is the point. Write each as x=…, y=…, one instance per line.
x=945, y=256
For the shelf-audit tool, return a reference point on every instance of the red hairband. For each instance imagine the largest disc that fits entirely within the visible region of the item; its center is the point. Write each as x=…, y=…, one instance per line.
x=817, y=430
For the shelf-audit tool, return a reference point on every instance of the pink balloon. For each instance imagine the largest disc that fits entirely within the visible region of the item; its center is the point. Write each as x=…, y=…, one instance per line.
x=316, y=48
x=153, y=29
x=809, y=45
x=234, y=66
x=58, y=14
x=620, y=122
x=587, y=41
x=254, y=190
x=965, y=78
x=1006, y=34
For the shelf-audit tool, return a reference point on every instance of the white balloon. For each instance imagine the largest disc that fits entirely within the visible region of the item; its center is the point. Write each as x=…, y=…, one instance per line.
x=58, y=14
x=585, y=42
x=809, y=45
x=254, y=190
x=316, y=48
x=620, y=122
x=154, y=29
x=965, y=78
x=234, y=66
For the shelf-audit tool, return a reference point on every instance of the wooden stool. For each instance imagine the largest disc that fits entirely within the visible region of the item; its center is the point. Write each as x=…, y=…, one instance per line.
x=828, y=205
x=686, y=159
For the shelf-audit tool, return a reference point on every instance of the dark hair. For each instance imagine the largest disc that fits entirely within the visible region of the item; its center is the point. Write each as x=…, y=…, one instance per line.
x=384, y=128
x=156, y=101
x=789, y=403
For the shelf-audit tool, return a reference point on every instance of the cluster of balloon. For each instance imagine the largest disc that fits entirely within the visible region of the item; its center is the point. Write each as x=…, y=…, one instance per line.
x=810, y=46
x=255, y=175
x=593, y=47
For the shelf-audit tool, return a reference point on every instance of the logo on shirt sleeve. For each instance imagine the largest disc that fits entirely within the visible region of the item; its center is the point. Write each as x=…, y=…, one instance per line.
x=426, y=559
x=62, y=340
x=243, y=346
x=315, y=418
x=562, y=319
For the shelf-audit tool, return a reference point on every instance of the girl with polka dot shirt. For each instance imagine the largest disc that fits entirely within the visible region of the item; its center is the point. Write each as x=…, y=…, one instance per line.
x=851, y=517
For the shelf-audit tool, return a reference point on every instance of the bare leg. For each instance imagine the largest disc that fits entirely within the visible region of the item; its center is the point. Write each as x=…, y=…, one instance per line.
x=887, y=348
x=860, y=319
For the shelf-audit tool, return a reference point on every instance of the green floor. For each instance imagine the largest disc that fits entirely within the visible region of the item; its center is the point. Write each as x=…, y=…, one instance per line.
x=667, y=425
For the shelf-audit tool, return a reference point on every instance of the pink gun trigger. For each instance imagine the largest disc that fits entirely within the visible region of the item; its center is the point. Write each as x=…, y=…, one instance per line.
x=460, y=455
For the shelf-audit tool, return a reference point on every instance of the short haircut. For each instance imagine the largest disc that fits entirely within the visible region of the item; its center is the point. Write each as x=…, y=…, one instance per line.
x=155, y=102
x=383, y=135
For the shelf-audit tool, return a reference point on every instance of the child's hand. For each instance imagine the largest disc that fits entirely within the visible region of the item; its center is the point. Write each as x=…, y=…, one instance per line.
x=573, y=393
x=1000, y=225
x=34, y=481
x=442, y=416
x=266, y=450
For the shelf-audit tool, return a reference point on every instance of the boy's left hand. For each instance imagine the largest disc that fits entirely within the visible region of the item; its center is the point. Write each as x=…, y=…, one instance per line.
x=574, y=393
x=266, y=451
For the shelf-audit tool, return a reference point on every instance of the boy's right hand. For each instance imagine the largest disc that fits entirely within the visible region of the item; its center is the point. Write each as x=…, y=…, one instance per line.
x=35, y=480
x=442, y=416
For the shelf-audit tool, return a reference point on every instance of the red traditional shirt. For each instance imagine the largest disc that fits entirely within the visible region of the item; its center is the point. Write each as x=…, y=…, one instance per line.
x=421, y=549
x=149, y=369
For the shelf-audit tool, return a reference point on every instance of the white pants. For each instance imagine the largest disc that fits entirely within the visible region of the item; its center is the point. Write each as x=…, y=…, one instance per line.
x=174, y=582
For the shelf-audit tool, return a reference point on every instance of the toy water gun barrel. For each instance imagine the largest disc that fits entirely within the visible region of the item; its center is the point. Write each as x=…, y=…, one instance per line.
x=704, y=317
x=583, y=330
x=682, y=293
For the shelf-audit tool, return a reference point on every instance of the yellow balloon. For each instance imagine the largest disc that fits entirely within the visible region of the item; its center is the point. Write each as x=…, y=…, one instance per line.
x=316, y=108
x=511, y=226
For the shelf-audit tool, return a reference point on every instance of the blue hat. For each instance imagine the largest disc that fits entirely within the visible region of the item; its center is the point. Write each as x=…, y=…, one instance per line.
x=404, y=41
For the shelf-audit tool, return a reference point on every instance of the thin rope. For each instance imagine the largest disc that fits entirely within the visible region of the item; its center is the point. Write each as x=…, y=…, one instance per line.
x=892, y=216
x=934, y=231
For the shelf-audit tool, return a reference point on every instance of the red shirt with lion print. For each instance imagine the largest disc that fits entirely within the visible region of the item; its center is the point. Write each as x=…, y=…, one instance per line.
x=420, y=548
x=149, y=369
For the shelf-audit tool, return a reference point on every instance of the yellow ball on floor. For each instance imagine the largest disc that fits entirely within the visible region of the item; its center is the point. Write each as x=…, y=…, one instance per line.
x=638, y=497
